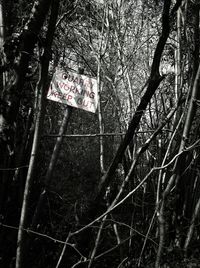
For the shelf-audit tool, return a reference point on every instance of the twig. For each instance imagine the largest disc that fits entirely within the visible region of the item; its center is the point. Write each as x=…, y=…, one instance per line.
x=123, y=261
x=97, y=242
x=136, y=231
x=55, y=240
x=147, y=238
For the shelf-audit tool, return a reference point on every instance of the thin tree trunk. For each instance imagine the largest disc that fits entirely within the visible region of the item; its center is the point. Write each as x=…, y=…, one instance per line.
x=101, y=125
x=51, y=167
x=97, y=241
x=100, y=54
x=2, y=37
x=41, y=87
x=177, y=56
x=192, y=225
x=1, y=25
x=18, y=176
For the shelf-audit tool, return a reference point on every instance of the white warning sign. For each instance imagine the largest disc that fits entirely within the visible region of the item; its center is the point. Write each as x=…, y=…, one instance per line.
x=74, y=89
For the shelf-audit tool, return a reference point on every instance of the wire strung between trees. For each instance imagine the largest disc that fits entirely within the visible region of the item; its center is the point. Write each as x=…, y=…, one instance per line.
x=13, y=169
x=97, y=134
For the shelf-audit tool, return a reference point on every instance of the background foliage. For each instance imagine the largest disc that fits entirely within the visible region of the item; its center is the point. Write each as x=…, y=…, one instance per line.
x=155, y=183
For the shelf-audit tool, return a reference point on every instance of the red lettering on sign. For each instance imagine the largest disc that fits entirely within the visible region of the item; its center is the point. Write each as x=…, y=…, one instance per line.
x=69, y=97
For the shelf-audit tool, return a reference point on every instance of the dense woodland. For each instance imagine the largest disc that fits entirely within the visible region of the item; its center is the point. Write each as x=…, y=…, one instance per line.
x=119, y=187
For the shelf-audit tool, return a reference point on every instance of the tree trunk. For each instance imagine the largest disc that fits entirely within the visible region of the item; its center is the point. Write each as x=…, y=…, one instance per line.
x=29, y=37
x=41, y=88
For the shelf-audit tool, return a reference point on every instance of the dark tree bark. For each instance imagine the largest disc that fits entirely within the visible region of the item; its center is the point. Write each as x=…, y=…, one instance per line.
x=29, y=37
x=41, y=89
x=9, y=108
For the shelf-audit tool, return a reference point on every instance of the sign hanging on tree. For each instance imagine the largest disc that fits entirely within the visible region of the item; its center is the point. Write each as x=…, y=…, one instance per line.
x=74, y=89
